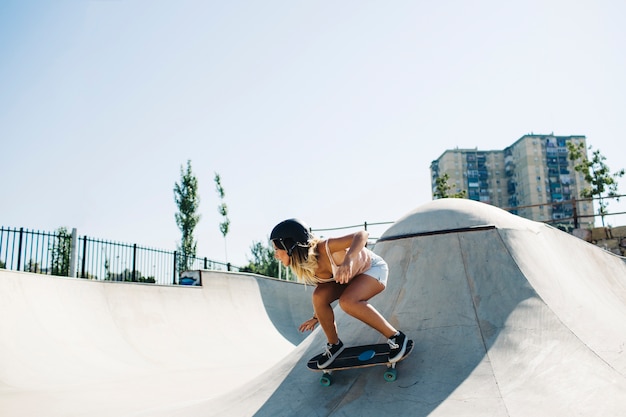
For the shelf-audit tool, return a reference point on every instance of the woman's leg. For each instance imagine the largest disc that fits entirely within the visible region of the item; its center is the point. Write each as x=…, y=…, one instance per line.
x=354, y=301
x=323, y=296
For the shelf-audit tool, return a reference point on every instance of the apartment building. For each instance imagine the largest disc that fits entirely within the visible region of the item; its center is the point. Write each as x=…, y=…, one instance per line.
x=533, y=177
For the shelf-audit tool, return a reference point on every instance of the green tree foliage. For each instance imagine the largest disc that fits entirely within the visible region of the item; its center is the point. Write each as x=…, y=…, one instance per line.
x=60, y=248
x=602, y=184
x=442, y=188
x=188, y=201
x=263, y=261
x=127, y=276
x=32, y=266
x=222, y=210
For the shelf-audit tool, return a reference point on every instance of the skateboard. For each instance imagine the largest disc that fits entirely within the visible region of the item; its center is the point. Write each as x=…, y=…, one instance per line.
x=360, y=357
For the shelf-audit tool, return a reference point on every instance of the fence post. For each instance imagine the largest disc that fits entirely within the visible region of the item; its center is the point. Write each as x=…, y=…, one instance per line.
x=174, y=274
x=73, y=253
x=133, y=278
x=206, y=263
x=82, y=274
x=19, y=249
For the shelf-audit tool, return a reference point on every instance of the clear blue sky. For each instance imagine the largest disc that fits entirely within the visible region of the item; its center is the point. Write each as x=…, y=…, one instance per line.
x=327, y=111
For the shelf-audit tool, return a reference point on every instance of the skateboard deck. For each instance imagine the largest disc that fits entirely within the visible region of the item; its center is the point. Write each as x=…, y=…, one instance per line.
x=360, y=357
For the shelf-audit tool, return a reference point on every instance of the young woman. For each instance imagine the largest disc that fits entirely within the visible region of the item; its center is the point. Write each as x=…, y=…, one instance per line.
x=341, y=269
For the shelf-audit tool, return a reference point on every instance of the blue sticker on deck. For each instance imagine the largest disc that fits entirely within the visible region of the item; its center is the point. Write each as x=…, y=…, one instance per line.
x=367, y=355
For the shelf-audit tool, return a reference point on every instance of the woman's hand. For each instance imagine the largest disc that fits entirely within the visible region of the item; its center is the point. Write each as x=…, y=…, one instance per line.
x=352, y=244
x=344, y=271
x=308, y=325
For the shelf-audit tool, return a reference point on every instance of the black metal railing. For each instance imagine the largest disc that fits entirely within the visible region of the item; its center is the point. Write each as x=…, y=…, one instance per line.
x=66, y=254
x=363, y=226
x=31, y=251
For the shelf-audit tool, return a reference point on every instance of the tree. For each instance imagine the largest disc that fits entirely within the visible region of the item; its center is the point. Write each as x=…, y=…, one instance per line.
x=127, y=276
x=442, y=188
x=60, y=248
x=187, y=200
x=223, y=210
x=602, y=184
x=263, y=261
x=32, y=266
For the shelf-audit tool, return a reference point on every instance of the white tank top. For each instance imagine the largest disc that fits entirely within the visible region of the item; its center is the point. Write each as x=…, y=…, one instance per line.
x=362, y=263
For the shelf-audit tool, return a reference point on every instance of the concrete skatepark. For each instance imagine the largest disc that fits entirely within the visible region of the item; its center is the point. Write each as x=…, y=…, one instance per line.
x=510, y=318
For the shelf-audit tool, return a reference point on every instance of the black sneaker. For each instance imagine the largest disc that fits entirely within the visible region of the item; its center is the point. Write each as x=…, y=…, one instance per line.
x=332, y=351
x=397, y=343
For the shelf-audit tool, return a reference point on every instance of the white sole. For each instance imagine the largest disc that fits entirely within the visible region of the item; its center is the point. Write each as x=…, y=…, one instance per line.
x=329, y=362
x=401, y=354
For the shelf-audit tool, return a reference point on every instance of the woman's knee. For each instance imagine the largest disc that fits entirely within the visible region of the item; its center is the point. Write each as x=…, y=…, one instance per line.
x=359, y=293
x=324, y=295
x=349, y=303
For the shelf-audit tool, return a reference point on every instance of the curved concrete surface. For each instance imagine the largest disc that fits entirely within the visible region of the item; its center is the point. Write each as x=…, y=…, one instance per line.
x=72, y=347
x=510, y=318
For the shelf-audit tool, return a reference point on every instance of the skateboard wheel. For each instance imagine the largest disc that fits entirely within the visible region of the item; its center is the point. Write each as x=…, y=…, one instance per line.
x=391, y=374
x=326, y=380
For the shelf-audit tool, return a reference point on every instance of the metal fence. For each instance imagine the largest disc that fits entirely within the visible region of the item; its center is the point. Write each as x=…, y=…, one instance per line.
x=565, y=215
x=64, y=253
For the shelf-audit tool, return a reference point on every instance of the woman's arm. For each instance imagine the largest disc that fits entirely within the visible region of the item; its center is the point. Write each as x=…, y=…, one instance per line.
x=309, y=324
x=352, y=244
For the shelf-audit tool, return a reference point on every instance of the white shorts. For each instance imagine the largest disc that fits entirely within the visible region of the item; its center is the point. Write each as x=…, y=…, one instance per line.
x=378, y=270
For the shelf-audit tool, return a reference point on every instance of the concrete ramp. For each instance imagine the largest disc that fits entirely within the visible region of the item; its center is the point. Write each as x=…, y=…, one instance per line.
x=73, y=347
x=509, y=317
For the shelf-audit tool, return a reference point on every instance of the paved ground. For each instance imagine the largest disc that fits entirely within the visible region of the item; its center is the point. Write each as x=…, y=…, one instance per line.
x=510, y=318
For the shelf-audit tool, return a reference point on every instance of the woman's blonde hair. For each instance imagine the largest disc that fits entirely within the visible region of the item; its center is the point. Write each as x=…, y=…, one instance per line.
x=303, y=262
